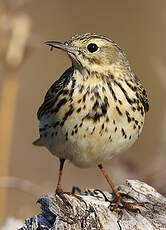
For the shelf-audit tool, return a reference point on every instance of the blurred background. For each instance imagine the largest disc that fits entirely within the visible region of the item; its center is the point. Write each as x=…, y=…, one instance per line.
x=28, y=68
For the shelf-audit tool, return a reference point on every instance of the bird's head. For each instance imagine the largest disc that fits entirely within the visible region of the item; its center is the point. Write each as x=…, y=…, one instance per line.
x=92, y=52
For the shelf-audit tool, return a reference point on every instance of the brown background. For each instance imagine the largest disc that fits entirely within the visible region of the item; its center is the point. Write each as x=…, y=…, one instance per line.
x=139, y=28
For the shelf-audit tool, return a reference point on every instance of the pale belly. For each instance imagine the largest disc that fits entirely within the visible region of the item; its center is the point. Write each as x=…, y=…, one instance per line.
x=88, y=143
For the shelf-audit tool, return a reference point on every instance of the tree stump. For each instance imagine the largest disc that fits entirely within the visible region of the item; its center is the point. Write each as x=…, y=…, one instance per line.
x=96, y=211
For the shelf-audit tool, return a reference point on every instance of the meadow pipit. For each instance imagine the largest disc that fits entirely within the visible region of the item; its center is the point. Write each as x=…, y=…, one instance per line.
x=96, y=109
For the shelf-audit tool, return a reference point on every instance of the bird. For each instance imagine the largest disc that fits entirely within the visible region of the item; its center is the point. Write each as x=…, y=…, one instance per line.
x=95, y=110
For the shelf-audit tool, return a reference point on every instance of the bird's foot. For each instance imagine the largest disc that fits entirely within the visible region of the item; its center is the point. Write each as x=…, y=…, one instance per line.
x=61, y=193
x=76, y=196
x=120, y=203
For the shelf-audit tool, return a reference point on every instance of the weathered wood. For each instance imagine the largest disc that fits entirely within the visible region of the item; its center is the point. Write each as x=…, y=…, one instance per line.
x=95, y=212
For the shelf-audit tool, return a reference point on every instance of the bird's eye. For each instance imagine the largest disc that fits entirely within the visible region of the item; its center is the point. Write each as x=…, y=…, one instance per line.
x=92, y=47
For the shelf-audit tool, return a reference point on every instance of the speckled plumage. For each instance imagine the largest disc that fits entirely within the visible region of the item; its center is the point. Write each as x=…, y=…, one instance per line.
x=96, y=109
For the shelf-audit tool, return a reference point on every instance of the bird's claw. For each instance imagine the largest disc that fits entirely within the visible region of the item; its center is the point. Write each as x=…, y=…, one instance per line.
x=119, y=203
x=61, y=193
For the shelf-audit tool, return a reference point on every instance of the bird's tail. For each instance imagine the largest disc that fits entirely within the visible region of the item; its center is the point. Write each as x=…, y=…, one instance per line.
x=38, y=142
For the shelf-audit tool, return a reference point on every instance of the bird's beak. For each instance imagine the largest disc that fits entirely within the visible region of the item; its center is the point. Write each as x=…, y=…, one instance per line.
x=61, y=45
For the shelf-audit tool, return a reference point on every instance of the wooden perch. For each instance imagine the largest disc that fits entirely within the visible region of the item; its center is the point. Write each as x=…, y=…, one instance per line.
x=95, y=212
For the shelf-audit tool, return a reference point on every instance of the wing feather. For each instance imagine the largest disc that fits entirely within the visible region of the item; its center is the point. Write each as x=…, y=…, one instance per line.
x=54, y=92
x=142, y=95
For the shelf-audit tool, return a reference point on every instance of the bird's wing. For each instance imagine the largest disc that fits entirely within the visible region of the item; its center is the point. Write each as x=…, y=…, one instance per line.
x=142, y=95
x=54, y=92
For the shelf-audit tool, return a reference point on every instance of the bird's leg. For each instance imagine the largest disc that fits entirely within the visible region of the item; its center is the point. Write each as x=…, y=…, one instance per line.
x=117, y=194
x=127, y=205
x=59, y=189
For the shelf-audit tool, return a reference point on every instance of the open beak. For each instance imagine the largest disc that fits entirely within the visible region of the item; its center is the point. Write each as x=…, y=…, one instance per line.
x=61, y=45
